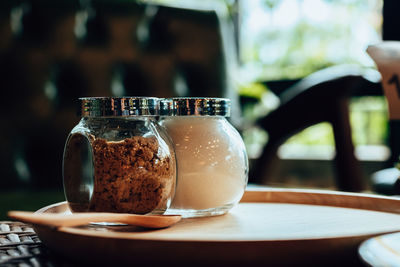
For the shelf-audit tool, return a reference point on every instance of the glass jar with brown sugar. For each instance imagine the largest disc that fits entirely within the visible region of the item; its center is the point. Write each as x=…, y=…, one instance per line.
x=118, y=159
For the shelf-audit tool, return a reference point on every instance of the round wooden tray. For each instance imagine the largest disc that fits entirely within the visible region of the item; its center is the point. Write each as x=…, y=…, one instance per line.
x=269, y=226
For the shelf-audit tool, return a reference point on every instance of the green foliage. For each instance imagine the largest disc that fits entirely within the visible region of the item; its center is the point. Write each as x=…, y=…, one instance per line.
x=320, y=134
x=297, y=49
x=255, y=90
x=369, y=120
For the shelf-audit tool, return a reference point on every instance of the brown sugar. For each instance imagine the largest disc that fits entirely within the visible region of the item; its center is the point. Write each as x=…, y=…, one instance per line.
x=130, y=176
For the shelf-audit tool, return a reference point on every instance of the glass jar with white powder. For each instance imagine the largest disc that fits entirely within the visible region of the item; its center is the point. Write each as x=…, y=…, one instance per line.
x=211, y=156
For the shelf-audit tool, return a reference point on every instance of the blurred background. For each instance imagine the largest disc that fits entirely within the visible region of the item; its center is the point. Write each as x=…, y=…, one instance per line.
x=253, y=52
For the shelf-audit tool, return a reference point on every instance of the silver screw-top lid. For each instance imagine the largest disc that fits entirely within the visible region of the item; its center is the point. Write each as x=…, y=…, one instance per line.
x=196, y=106
x=119, y=106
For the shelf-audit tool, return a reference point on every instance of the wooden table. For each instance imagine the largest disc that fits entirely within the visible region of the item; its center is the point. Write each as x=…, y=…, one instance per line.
x=269, y=226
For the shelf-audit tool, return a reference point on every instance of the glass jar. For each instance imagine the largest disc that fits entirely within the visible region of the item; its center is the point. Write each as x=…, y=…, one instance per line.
x=211, y=156
x=118, y=158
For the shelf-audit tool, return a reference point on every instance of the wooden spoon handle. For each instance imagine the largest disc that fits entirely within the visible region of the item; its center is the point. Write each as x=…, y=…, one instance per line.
x=75, y=219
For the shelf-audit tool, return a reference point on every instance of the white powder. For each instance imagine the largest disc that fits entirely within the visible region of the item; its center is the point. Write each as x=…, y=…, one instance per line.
x=212, y=162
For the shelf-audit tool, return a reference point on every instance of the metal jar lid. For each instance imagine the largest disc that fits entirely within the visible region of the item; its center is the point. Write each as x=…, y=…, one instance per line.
x=196, y=106
x=119, y=106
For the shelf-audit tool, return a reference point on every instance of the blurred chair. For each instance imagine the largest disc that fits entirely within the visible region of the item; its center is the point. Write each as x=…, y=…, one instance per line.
x=320, y=97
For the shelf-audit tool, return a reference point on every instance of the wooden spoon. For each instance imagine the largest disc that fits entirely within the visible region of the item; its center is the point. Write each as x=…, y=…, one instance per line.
x=75, y=219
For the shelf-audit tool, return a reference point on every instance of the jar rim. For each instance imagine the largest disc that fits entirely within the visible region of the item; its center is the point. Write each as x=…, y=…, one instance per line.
x=119, y=106
x=195, y=106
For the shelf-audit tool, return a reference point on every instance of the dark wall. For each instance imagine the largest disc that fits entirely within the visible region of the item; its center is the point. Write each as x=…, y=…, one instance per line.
x=391, y=29
x=49, y=57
